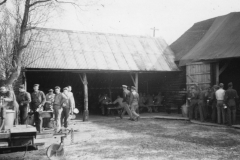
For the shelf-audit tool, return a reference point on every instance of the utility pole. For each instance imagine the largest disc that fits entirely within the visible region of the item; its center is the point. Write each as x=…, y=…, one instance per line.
x=154, y=29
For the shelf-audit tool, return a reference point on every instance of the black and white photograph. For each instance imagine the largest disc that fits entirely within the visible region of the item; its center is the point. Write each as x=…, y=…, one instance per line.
x=119, y=80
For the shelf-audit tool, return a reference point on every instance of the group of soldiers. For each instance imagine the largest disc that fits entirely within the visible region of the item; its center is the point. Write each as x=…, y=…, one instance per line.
x=215, y=103
x=62, y=105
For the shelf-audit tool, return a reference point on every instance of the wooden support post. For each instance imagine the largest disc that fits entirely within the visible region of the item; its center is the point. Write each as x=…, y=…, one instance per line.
x=85, y=87
x=136, y=81
x=217, y=73
x=25, y=80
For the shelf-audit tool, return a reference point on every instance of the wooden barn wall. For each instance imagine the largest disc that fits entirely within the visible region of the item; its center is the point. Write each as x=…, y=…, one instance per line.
x=198, y=73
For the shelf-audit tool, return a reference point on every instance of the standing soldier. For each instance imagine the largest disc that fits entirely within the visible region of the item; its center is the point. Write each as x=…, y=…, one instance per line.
x=57, y=107
x=202, y=104
x=38, y=101
x=193, y=98
x=230, y=98
x=134, y=99
x=214, y=104
x=72, y=98
x=67, y=107
x=23, y=99
x=49, y=100
x=220, y=93
x=126, y=98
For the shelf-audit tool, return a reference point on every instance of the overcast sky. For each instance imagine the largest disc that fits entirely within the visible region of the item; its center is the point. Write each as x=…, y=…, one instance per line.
x=136, y=17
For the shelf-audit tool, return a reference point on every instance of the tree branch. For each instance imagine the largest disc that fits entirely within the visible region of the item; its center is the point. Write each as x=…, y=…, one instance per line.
x=4, y=1
x=43, y=1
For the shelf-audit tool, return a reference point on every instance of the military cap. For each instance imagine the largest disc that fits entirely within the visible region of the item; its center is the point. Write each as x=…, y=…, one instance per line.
x=65, y=88
x=230, y=84
x=124, y=86
x=221, y=85
x=57, y=87
x=50, y=90
x=2, y=88
x=21, y=86
x=133, y=87
x=215, y=86
x=36, y=85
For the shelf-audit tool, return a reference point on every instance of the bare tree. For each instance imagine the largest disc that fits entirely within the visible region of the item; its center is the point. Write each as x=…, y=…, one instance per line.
x=19, y=18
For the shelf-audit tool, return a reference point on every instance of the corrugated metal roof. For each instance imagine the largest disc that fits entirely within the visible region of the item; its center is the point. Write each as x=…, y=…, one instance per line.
x=62, y=49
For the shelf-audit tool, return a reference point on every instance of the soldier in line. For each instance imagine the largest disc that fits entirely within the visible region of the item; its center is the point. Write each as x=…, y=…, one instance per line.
x=220, y=93
x=202, y=104
x=23, y=99
x=230, y=99
x=72, y=98
x=193, y=97
x=38, y=101
x=214, y=103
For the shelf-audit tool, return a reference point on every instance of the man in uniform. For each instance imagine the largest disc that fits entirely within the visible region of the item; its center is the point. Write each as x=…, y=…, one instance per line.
x=202, y=104
x=214, y=103
x=126, y=98
x=134, y=99
x=220, y=93
x=57, y=107
x=230, y=98
x=23, y=99
x=72, y=98
x=67, y=107
x=38, y=101
x=49, y=100
x=193, y=98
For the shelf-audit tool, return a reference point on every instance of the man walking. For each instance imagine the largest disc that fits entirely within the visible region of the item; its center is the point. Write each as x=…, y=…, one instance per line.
x=230, y=98
x=23, y=99
x=134, y=99
x=38, y=101
x=57, y=107
x=126, y=98
x=220, y=93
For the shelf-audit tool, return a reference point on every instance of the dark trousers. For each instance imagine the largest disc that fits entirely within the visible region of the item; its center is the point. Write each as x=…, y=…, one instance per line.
x=202, y=112
x=220, y=112
x=231, y=112
x=193, y=109
x=214, y=112
x=37, y=117
x=23, y=114
x=65, y=115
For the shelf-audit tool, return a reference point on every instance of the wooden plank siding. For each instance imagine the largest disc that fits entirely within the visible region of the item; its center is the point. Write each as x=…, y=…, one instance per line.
x=198, y=73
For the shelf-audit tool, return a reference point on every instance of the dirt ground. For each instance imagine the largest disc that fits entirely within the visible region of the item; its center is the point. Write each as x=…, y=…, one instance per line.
x=147, y=139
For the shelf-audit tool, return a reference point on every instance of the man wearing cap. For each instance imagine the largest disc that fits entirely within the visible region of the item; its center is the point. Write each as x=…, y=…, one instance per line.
x=23, y=99
x=230, y=98
x=214, y=103
x=126, y=98
x=67, y=107
x=220, y=93
x=49, y=100
x=57, y=107
x=193, y=98
x=38, y=101
x=202, y=104
x=72, y=98
x=134, y=99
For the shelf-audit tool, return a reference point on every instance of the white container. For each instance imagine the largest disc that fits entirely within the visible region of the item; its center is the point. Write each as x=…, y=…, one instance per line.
x=9, y=119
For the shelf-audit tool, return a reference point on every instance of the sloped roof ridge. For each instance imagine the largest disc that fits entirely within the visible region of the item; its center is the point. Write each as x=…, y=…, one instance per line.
x=100, y=33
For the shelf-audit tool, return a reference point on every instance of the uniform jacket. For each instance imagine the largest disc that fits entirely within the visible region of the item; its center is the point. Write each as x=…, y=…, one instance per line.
x=231, y=96
x=23, y=98
x=126, y=96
